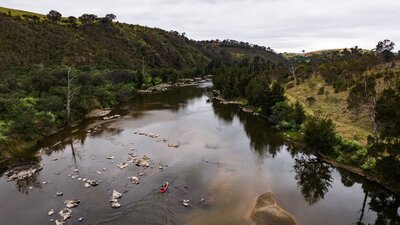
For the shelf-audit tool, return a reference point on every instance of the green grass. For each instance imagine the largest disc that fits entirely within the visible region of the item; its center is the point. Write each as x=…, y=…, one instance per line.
x=16, y=12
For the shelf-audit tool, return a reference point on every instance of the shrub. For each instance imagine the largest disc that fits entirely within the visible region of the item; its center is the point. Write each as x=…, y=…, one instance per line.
x=369, y=164
x=281, y=111
x=298, y=113
x=287, y=125
x=319, y=134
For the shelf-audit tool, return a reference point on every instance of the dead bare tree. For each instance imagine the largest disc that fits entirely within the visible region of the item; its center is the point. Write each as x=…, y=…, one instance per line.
x=292, y=70
x=371, y=102
x=70, y=94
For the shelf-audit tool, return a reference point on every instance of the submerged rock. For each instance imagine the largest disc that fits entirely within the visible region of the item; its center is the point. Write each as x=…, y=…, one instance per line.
x=59, y=194
x=185, y=202
x=92, y=182
x=115, y=205
x=174, y=145
x=267, y=212
x=65, y=214
x=72, y=203
x=116, y=195
x=59, y=222
x=114, y=199
x=143, y=161
x=122, y=165
x=23, y=172
x=134, y=180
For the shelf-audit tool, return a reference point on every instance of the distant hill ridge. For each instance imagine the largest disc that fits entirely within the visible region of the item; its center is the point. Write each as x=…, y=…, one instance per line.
x=32, y=39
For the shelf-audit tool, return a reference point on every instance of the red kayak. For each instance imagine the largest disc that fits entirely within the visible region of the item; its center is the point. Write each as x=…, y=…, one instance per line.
x=164, y=186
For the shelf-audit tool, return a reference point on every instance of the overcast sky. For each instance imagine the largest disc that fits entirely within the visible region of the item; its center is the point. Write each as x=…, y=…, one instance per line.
x=284, y=25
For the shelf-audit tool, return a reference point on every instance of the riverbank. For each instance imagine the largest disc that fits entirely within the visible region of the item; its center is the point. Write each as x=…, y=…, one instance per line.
x=29, y=154
x=296, y=138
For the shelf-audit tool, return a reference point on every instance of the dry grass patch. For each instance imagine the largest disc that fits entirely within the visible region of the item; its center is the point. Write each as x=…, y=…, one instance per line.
x=334, y=105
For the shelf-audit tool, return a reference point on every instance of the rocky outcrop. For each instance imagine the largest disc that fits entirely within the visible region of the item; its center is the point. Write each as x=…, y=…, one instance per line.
x=267, y=212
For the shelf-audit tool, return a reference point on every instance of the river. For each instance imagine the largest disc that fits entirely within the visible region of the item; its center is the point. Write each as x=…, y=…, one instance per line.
x=226, y=158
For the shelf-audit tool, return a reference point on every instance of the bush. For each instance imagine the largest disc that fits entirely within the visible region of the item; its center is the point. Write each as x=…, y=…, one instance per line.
x=369, y=164
x=288, y=117
x=345, y=145
x=298, y=113
x=281, y=111
x=285, y=125
x=319, y=134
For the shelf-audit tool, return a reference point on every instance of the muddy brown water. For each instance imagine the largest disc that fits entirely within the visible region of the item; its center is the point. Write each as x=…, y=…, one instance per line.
x=225, y=156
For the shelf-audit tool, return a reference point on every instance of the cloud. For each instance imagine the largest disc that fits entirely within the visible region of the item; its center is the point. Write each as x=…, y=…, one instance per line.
x=284, y=25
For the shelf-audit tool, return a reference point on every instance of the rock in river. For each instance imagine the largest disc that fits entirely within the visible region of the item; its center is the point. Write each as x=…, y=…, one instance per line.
x=71, y=203
x=114, y=199
x=267, y=212
x=51, y=212
x=65, y=214
x=23, y=172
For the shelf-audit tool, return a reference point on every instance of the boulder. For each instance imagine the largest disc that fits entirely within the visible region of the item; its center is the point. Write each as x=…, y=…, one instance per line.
x=267, y=212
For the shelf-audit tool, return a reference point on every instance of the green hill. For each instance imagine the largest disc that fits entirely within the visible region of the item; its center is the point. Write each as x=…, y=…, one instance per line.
x=21, y=13
x=31, y=39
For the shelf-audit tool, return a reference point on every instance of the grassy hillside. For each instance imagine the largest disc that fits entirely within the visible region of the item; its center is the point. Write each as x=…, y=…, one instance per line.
x=333, y=105
x=349, y=125
x=16, y=12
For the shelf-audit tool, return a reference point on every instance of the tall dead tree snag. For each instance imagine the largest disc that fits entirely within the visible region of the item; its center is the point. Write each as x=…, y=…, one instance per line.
x=370, y=94
x=70, y=95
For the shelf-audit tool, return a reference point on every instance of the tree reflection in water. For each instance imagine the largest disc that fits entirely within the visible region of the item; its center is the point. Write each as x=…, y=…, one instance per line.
x=385, y=204
x=26, y=185
x=262, y=138
x=313, y=177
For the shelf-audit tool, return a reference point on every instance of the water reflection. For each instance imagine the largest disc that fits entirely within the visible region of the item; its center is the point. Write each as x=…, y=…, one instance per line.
x=26, y=185
x=263, y=140
x=384, y=203
x=313, y=177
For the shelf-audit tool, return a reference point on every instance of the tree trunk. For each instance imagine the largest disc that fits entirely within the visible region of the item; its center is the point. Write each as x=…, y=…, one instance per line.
x=363, y=209
x=70, y=95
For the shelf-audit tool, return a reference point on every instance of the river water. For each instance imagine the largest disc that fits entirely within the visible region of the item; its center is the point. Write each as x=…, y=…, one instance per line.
x=226, y=157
